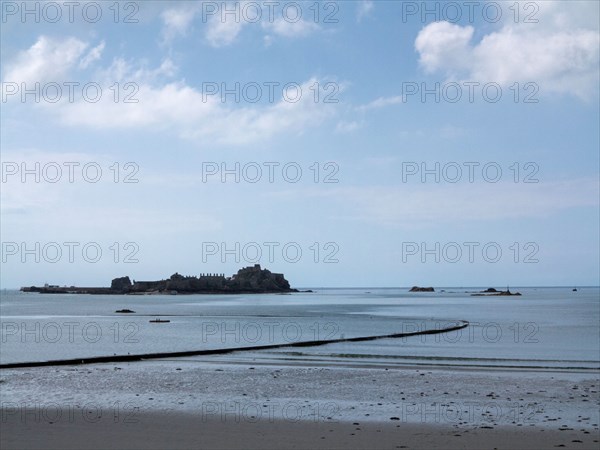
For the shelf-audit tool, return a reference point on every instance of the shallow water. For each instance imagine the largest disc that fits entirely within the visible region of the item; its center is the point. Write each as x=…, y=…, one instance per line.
x=544, y=328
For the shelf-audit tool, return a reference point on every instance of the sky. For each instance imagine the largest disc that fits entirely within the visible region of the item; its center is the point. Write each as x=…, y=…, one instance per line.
x=351, y=143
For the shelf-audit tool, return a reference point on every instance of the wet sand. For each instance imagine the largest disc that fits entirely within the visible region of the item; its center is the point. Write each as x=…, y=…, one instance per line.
x=226, y=403
x=186, y=431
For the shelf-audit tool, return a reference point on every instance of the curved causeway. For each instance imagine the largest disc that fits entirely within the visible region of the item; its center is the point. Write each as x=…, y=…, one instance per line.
x=221, y=351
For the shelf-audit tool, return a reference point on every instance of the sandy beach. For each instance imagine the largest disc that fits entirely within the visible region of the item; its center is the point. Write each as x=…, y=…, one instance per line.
x=228, y=403
x=186, y=431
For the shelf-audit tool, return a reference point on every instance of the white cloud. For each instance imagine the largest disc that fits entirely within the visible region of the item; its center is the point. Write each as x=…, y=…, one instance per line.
x=348, y=127
x=246, y=125
x=177, y=20
x=563, y=62
x=220, y=29
x=182, y=109
x=381, y=102
x=223, y=31
x=551, y=15
x=363, y=9
x=47, y=60
x=225, y=23
x=155, y=101
x=444, y=46
x=93, y=55
x=172, y=104
x=559, y=54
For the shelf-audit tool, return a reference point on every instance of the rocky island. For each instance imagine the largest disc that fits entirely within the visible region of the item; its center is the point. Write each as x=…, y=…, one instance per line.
x=493, y=292
x=249, y=280
x=421, y=289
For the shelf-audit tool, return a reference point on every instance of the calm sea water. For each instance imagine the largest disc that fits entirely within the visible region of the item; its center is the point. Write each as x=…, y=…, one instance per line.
x=544, y=328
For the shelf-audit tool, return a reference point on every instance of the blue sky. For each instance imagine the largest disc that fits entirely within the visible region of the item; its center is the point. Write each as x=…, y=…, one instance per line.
x=533, y=68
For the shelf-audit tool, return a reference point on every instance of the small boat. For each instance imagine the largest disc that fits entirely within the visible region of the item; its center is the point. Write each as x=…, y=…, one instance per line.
x=159, y=321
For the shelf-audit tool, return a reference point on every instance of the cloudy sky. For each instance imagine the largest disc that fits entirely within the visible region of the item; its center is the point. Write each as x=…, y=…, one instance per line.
x=354, y=143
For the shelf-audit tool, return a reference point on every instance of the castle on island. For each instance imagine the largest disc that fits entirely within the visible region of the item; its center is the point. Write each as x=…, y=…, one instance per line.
x=251, y=279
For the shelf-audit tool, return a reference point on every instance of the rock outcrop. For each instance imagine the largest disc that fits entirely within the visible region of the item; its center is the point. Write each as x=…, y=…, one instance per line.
x=421, y=289
x=122, y=284
x=491, y=292
x=257, y=279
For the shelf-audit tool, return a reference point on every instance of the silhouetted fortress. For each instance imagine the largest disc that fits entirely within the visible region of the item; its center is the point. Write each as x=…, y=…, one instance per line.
x=247, y=280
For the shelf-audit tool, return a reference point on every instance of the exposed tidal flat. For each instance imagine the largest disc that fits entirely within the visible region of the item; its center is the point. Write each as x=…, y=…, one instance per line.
x=523, y=374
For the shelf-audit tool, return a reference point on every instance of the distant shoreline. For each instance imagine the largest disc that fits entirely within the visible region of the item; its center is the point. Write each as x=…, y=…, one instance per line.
x=366, y=288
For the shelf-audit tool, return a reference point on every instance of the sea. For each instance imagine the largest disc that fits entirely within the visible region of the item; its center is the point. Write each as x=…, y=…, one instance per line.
x=546, y=328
